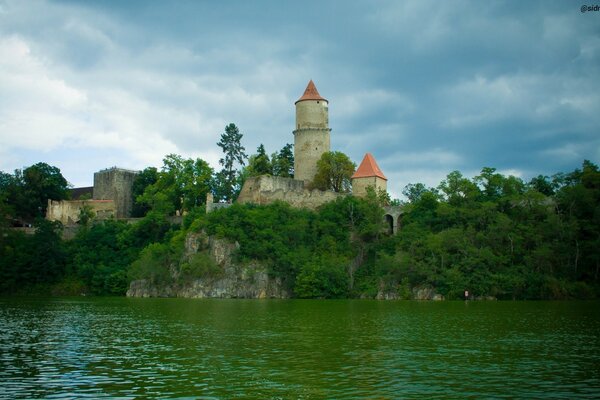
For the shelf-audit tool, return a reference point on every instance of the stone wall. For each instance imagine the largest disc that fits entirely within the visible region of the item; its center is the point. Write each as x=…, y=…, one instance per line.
x=67, y=211
x=267, y=189
x=360, y=185
x=115, y=184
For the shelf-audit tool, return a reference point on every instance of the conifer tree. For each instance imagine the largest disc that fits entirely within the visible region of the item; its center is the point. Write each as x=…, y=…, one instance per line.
x=227, y=185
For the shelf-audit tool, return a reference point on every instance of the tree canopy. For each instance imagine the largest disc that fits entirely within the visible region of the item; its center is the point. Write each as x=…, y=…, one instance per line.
x=493, y=235
x=334, y=172
x=27, y=191
x=181, y=185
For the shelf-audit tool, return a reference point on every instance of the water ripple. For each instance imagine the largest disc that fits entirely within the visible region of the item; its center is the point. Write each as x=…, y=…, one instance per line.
x=176, y=348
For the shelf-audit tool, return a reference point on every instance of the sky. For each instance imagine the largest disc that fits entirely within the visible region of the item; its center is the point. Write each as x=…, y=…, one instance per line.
x=427, y=87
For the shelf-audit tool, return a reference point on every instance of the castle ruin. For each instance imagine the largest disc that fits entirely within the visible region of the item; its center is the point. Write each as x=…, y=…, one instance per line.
x=111, y=197
x=311, y=141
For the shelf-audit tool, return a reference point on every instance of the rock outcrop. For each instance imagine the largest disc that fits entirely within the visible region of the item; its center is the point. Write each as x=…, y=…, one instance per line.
x=250, y=281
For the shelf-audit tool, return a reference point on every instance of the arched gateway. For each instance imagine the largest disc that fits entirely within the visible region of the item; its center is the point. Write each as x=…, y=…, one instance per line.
x=392, y=218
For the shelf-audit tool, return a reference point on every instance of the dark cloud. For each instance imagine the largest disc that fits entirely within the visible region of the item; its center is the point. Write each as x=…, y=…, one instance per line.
x=427, y=87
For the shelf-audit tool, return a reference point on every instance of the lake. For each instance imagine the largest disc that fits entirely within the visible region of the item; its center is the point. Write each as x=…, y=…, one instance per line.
x=297, y=349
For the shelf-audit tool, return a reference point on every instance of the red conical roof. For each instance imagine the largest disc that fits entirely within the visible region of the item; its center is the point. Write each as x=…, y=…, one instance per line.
x=311, y=93
x=368, y=168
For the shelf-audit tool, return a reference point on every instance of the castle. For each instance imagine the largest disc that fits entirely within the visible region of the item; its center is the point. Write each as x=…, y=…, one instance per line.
x=311, y=141
x=111, y=195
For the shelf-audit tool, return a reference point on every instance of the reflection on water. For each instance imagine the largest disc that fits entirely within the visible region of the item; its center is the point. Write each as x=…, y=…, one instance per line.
x=128, y=348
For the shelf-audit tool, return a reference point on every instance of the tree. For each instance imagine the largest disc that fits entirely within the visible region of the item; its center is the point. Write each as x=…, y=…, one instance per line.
x=414, y=191
x=11, y=192
x=43, y=182
x=458, y=189
x=28, y=190
x=334, y=170
x=86, y=215
x=227, y=178
x=147, y=177
x=182, y=184
x=259, y=163
x=283, y=162
x=542, y=184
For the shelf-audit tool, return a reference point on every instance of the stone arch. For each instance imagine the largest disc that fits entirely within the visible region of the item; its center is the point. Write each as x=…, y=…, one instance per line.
x=394, y=213
x=389, y=224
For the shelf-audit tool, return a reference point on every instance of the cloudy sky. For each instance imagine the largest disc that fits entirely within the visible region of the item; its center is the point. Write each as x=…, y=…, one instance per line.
x=426, y=87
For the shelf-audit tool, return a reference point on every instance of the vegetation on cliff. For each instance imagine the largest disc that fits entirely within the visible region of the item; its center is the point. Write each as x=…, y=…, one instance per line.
x=493, y=235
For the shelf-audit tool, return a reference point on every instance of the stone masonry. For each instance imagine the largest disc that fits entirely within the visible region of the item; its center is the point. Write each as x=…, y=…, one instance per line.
x=115, y=184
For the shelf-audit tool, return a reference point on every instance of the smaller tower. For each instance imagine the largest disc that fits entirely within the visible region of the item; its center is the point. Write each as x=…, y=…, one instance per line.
x=311, y=137
x=368, y=174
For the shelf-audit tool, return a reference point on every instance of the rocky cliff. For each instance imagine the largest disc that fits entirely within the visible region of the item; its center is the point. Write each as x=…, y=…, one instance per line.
x=234, y=280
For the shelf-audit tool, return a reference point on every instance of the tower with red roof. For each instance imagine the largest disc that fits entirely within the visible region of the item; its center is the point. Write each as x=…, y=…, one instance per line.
x=312, y=133
x=368, y=174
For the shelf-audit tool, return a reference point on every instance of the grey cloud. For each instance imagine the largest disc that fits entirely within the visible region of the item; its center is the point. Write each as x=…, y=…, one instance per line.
x=427, y=87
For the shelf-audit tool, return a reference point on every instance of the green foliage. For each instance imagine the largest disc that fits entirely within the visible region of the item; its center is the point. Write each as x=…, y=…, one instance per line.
x=31, y=260
x=28, y=190
x=322, y=277
x=181, y=185
x=199, y=266
x=315, y=247
x=145, y=178
x=98, y=257
x=280, y=164
x=334, y=170
x=153, y=264
x=283, y=162
x=86, y=214
x=497, y=236
x=492, y=235
x=227, y=185
x=259, y=163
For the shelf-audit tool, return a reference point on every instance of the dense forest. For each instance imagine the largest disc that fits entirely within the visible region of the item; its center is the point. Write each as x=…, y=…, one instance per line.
x=493, y=235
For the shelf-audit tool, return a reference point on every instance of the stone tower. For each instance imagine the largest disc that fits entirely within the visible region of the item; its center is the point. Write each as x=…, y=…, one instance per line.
x=311, y=137
x=115, y=184
x=368, y=174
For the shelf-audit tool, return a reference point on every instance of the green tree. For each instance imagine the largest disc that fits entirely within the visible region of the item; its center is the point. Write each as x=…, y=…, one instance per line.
x=43, y=182
x=10, y=194
x=147, y=177
x=542, y=184
x=227, y=178
x=28, y=190
x=415, y=191
x=86, y=214
x=334, y=170
x=259, y=163
x=459, y=190
x=283, y=162
x=182, y=184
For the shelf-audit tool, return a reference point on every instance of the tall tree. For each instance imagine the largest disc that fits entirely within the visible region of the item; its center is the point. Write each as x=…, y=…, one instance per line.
x=334, y=170
x=283, y=162
x=227, y=178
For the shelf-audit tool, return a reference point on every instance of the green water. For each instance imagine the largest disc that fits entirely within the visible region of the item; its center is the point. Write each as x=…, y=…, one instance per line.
x=169, y=348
